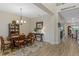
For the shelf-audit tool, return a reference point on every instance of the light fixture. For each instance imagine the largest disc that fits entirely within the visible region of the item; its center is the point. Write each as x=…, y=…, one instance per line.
x=21, y=21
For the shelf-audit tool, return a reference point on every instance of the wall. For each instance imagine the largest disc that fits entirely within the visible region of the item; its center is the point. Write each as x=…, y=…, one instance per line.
x=49, y=28
x=6, y=18
x=55, y=20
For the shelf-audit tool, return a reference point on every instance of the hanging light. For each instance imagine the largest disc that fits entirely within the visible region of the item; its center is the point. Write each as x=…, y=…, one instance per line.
x=17, y=21
x=24, y=21
x=21, y=19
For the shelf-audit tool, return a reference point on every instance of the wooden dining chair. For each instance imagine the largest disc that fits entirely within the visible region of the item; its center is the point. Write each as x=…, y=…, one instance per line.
x=20, y=41
x=15, y=42
x=30, y=38
x=4, y=45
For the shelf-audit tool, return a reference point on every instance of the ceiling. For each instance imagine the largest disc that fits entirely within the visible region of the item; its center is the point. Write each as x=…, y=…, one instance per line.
x=71, y=16
x=28, y=9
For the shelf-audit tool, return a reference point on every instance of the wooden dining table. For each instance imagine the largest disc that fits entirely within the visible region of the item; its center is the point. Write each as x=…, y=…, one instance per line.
x=12, y=39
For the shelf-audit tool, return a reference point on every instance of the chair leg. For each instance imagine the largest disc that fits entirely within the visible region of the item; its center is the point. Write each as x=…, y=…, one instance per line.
x=2, y=50
x=27, y=44
x=31, y=42
x=11, y=47
x=24, y=44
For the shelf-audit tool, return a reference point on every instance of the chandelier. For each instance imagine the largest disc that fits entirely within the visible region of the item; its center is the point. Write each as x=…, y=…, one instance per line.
x=21, y=21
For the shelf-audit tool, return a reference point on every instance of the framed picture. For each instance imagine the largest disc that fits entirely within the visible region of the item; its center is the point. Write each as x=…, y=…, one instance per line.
x=39, y=25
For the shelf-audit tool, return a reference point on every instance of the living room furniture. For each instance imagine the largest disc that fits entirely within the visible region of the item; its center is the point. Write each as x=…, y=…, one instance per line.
x=38, y=29
x=22, y=40
x=39, y=35
x=13, y=29
x=30, y=38
x=14, y=41
x=18, y=41
x=4, y=44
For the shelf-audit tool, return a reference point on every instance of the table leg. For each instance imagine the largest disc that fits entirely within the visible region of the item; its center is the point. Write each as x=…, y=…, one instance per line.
x=41, y=38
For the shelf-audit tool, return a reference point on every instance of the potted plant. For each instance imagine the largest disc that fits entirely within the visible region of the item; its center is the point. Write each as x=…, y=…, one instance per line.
x=35, y=30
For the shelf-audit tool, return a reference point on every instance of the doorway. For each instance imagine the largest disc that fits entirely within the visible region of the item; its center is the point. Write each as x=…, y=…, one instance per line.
x=71, y=23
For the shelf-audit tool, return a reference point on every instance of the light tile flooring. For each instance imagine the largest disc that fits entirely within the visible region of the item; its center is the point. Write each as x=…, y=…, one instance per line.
x=67, y=48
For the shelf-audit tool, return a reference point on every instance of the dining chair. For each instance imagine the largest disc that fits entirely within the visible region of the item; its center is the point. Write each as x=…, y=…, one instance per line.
x=4, y=45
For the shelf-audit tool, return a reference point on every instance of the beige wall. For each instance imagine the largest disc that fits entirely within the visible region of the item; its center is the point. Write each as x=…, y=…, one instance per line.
x=49, y=28
x=54, y=21
x=6, y=18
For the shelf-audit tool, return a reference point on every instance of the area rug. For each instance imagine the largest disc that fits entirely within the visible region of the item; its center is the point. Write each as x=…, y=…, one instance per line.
x=27, y=50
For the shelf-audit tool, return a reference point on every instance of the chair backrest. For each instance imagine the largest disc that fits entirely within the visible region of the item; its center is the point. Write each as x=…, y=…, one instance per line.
x=2, y=41
x=21, y=37
x=31, y=35
x=15, y=39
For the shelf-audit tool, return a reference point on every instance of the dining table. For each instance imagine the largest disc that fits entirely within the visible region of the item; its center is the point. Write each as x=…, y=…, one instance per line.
x=13, y=39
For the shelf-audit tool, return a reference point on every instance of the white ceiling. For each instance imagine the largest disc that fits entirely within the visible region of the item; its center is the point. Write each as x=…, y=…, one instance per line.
x=71, y=16
x=28, y=9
